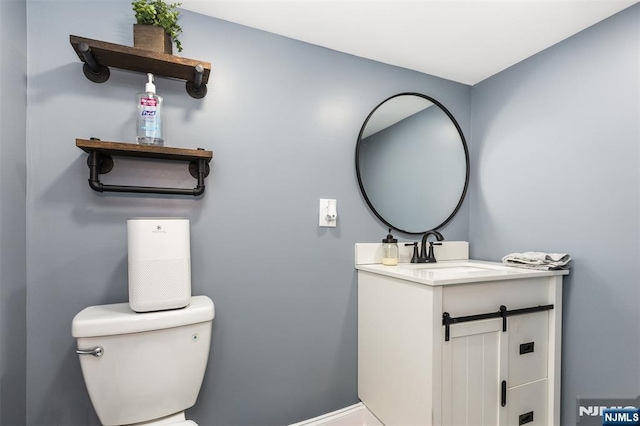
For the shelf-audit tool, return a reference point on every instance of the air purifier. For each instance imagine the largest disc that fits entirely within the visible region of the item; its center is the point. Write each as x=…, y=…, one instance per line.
x=159, y=261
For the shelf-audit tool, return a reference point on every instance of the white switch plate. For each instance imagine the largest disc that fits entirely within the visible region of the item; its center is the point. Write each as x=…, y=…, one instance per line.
x=328, y=207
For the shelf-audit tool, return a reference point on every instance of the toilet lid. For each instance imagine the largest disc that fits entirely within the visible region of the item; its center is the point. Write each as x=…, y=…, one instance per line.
x=118, y=318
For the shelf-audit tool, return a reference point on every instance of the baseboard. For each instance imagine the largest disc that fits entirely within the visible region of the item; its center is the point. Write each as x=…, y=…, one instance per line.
x=355, y=415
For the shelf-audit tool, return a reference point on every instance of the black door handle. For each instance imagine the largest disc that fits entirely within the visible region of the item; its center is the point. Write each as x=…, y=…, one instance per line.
x=525, y=418
x=526, y=348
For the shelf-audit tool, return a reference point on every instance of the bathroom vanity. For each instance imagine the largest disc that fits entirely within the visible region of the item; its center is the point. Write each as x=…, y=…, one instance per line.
x=459, y=342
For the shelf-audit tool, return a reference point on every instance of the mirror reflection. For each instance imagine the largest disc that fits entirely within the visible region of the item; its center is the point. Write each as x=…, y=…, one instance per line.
x=412, y=163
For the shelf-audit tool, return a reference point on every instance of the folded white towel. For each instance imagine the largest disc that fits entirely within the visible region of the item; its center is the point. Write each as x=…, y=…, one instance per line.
x=538, y=260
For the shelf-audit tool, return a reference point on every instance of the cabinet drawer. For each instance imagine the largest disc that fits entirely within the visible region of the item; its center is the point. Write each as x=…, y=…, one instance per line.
x=528, y=347
x=527, y=404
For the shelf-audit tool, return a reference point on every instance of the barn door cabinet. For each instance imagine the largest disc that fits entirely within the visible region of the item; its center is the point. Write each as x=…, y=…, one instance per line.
x=477, y=343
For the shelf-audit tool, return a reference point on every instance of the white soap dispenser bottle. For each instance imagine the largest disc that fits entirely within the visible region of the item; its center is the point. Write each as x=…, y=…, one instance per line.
x=149, y=121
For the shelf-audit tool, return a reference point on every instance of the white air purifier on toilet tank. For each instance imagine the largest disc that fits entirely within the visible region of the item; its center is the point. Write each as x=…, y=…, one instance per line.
x=159, y=263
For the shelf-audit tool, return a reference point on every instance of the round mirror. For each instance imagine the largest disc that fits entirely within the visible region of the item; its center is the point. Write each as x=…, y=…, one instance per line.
x=412, y=163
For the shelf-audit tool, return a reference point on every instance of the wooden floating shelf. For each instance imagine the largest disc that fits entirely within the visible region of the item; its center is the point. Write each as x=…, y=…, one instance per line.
x=100, y=162
x=147, y=151
x=99, y=55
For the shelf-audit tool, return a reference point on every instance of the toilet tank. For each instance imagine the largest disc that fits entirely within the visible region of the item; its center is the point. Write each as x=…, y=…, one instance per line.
x=152, y=364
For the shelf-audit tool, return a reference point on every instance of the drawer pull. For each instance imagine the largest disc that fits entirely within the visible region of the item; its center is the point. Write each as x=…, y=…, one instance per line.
x=526, y=348
x=503, y=393
x=525, y=418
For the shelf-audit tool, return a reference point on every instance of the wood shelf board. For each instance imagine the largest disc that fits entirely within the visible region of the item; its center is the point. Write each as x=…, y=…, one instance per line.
x=146, y=151
x=140, y=60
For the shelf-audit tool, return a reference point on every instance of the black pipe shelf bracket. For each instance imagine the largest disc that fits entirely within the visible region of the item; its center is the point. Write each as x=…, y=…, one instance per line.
x=98, y=56
x=100, y=162
x=503, y=313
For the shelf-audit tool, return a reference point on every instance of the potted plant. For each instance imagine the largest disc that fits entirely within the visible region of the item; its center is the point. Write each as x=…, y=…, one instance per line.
x=157, y=25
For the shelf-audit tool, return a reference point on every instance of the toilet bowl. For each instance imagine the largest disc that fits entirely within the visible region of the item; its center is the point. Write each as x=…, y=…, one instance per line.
x=144, y=368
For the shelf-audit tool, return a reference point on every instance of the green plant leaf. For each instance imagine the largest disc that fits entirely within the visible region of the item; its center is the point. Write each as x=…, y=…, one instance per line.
x=159, y=13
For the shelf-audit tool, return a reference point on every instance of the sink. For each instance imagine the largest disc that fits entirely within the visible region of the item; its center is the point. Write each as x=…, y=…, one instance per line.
x=450, y=267
x=434, y=271
x=448, y=272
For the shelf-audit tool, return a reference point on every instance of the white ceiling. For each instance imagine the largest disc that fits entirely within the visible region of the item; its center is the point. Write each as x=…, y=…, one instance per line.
x=461, y=40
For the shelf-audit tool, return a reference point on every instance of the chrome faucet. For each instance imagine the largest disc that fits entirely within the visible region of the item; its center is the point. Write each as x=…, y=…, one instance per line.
x=429, y=257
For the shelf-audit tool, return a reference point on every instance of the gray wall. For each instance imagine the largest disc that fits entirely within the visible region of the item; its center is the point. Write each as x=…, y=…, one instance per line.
x=13, y=281
x=282, y=118
x=556, y=150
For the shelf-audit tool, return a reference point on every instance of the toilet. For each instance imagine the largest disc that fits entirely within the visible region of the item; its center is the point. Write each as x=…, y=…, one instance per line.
x=144, y=368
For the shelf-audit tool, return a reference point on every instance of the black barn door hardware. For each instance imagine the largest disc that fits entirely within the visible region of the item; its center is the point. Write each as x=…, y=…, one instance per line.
x=503, y=393
x=503, y=313
x=100, y=162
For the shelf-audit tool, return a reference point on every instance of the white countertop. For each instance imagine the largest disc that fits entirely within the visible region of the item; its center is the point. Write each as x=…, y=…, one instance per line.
x=449, y=272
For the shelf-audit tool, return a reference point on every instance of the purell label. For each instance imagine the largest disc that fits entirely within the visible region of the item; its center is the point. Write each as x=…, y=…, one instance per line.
x=148, y=102
x=148, y=113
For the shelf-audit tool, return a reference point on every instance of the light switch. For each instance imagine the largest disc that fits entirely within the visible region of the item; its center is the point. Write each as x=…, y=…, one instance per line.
x=328, y=213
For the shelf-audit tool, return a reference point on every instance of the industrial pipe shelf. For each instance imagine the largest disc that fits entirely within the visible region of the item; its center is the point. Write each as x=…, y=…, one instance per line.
x=98, y=56
x=100, y=162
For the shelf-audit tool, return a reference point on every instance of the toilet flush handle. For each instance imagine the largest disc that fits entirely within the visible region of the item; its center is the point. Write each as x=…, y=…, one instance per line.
x=97, y=351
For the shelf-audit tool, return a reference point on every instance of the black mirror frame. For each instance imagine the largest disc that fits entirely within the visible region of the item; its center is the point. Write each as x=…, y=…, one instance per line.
x=466, y=154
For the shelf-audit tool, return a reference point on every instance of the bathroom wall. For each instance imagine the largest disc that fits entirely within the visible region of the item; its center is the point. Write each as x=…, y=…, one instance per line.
x=13, y=281
x=556, y=168
x=282, y=118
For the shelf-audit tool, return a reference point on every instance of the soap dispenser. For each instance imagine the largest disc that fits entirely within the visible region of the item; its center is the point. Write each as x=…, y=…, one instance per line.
x=390, y=250
x=149, y=119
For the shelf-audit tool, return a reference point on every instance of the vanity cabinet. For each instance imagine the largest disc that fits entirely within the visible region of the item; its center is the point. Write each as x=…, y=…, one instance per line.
x=499, y=365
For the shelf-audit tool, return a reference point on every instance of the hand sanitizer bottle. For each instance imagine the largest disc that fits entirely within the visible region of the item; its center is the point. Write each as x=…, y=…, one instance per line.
x=149, y=120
